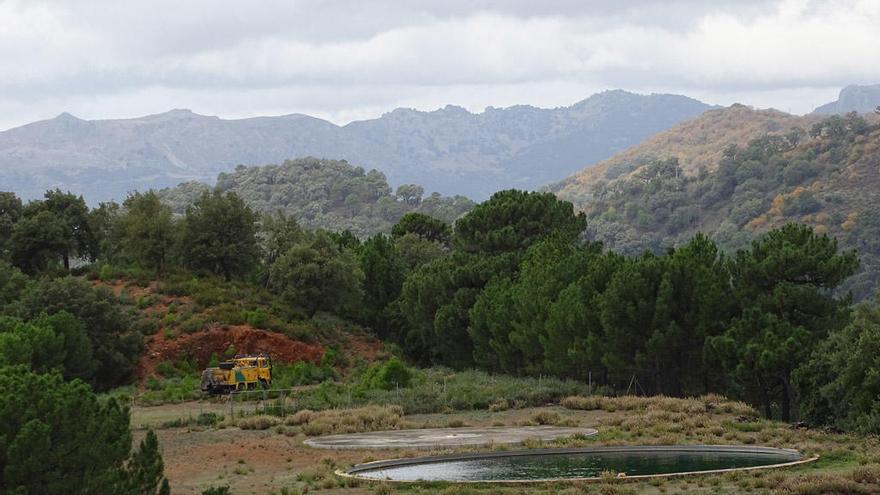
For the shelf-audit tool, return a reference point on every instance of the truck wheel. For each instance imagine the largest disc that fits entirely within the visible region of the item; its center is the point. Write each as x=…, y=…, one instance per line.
x=264, y=384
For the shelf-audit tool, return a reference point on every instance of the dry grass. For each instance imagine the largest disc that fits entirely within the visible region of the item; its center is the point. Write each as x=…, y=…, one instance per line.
x=706, y=404
x=331, y=421
x=553, y=418
x=262, y=422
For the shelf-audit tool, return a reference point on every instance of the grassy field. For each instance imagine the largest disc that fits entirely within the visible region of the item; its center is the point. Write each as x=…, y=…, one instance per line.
x=262, y=454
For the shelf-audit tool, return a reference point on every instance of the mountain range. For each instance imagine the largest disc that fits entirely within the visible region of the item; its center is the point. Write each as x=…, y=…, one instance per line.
x=450, y=150
x=861, y=99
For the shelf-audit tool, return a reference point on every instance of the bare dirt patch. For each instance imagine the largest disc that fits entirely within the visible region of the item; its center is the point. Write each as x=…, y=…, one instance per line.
x=249, y=462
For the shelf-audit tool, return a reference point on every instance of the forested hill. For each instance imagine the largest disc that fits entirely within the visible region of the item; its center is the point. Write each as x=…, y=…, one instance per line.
x=825, y=175
x=449, y=150
x=696, y=143
x=327, y=194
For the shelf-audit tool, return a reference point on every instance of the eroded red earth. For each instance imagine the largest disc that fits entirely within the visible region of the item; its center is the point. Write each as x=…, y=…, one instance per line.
x=199, y=347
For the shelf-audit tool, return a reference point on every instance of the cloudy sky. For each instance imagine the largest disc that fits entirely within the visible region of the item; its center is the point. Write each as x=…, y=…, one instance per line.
x=352, y=60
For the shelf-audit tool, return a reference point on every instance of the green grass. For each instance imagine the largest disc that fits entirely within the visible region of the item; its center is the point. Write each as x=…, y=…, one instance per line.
x=434, y=390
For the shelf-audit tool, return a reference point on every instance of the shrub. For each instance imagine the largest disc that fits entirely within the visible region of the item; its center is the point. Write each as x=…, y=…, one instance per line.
x=256, y=318
x=867, y=474
x=175, y=288
x=152, y=383
x=207, y=296
x=217, y=490
x=145, y=326
x=166, y=369
x=302, y=373
x=370, y=418
x=388, y=375
x=261, y=422
x=546, y=418
x=227, y=314
x=299, y=418
x=170, y=319
x=192, y=324
x=590, y=403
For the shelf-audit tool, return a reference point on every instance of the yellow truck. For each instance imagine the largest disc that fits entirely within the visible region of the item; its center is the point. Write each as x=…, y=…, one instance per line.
x=243, y=372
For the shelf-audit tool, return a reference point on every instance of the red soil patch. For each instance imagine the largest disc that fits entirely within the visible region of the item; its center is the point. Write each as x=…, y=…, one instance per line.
x=245, y=339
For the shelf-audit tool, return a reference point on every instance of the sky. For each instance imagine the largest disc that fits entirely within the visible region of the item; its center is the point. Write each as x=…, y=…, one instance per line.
x=345, y=61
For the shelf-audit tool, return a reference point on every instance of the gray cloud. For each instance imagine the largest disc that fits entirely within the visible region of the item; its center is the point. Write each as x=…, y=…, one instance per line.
x=351, y=60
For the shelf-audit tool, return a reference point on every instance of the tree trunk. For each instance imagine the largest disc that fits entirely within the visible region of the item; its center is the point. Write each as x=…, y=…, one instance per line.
x=765, y=399
x=786, y=407
x=788, y=401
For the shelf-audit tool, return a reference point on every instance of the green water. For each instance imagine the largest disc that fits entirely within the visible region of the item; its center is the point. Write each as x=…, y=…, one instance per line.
x=578, y=465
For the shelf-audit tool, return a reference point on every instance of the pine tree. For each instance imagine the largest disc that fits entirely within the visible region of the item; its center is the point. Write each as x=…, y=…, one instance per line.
x=145, y=470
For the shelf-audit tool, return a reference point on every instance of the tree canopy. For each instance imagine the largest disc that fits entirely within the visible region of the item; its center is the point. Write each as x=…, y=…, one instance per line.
x=220, y=235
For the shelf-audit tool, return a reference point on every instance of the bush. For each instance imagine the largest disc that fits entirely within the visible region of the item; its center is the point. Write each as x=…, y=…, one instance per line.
x=388, y=375
x=370, y=418
x=256, y=318
x=226, y=314
x=217, y=490
x=174, y=287
x=801, y=204
x=300, y=417
x=166, y=369
x=546, y=418
x=192, y=324
x=867, y=474
x=302, y=373
x=208, y=296
x=499, y=405
x=261, y=422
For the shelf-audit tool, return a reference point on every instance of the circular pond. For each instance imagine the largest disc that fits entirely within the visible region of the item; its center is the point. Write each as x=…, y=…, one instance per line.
x=583, y=463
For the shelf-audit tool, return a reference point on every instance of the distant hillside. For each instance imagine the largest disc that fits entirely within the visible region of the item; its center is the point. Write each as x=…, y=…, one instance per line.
x=449, y=150
x=697, y=143
x=825, y=175
x=861, y=99
x=326, y=194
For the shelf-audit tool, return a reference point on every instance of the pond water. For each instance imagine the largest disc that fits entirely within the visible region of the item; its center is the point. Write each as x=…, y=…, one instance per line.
x=574, y=463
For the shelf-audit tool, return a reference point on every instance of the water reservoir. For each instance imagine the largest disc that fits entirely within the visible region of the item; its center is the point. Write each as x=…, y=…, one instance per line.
x=580, y=463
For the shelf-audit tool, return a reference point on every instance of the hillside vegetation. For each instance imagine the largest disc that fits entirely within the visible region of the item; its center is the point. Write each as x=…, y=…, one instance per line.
x=825, y=176
x=697, y=144
x=326, y=194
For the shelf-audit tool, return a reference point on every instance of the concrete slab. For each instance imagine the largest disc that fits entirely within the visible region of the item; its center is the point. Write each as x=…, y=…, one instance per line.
x=445, y=437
